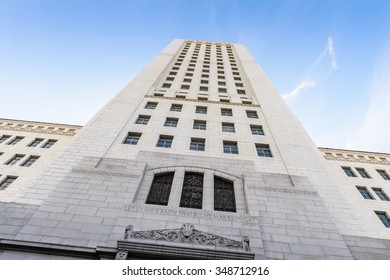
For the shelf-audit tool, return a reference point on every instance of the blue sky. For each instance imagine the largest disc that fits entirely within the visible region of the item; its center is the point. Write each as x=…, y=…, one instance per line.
x=61, y=61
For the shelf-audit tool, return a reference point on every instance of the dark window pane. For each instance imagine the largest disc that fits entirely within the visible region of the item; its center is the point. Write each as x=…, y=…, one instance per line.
x=224, y=199
x=192, y=193
x=160, y=189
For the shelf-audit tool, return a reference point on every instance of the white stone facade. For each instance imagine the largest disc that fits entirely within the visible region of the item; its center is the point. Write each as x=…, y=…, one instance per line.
x=91, y=198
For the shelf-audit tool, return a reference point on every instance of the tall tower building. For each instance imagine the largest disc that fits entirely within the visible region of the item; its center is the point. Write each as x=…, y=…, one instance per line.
x=197, y=158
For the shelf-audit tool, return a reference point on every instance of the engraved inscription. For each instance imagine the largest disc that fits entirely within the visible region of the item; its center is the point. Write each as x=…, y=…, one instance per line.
x=247, y=220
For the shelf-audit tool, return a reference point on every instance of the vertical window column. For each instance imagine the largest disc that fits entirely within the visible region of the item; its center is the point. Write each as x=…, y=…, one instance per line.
x=177, y=185
x=208, y=192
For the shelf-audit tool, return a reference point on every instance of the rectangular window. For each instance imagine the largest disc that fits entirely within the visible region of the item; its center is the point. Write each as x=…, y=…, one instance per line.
x=257, y=129
x=226, y=112
x=241, y=91
x=164, y=141
x=252, y=114
x=384, y=218
x=151, y=105
x=348, y=171
x=221, y=89
x=132, y=138
x=197, y=144
x=381, y=194
x=36, y=142
x=170, y=78
x=4, y=138
x=198, y=124
x=165, y=85
x=204, y=81
x=228, y=127
x=185, y=87
x=176, y=107
x=384, y=174
x=239, y=84
x=363, y=173
x=171, y=122
x=160, y=189
x=15, y=141
x=263, y=150
x=192, y=192
x=224, y=198
x=230, y=147
x=49, y=144
x=143, y=120
x=203, y=88
x=15, y=159
x=181, y=96
x=187, y=81
x=364, y=192
x=201, y=110
x=222, y=83
x=7, y=181
x=30, y=161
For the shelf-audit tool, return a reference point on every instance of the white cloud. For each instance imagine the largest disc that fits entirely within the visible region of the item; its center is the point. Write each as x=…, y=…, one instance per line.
x=374, y=133
x=331, y=53
x=316, y=69
x=296, y=91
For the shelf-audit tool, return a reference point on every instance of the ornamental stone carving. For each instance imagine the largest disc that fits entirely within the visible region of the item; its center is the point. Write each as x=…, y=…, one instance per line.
x=187, y=234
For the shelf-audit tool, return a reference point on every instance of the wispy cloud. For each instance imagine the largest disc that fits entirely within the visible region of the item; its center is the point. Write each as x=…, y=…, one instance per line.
x=315, y=71
x=374, y=133
x=296, y=91
x=331, y=53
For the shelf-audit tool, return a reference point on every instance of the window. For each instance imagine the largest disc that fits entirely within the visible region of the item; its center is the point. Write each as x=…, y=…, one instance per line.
x=14, y=159
x=257, y=129
x=143, y=120
x=173, y=74
x=205, y=75
x=384, y=218
x=176, y=107
x=252, y=114
x=170, y=78
x=15, y=141
x=228, y=127
x=4, y=138
x=204, y=81
x=7, y=181
x=165, y=141
x=221, y=77
x=185, y=87
x=187, y=80
x=189, y=74
x=160, y=189
x=201, y=110
x=36, y=142
x=192, y=192
x=364, y=192
x=381, y=194
x=384, y=174
x=239, y=84
x=132, y=138
x=221, y=89
x=224, y=100
x=181, y=96
x=198, y=124
x=151, y=105
x=197, y=144
x=158, y=94
x=230, y=147
x=348, y=171
x=263, y=150
x=203, y=88
x=363, y=173
x=30, y=161
x=224, y=199
x=171, y=122
x=240, y=91
x=226, y=112
x=49, y=143
x=165, y=85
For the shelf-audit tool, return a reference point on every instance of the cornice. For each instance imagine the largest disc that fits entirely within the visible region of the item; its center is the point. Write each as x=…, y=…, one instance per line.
x=204, y=101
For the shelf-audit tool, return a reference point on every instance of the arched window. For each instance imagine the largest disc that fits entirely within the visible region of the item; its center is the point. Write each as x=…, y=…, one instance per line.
x=192, y=192
x=160, y=189
x=224, y=199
